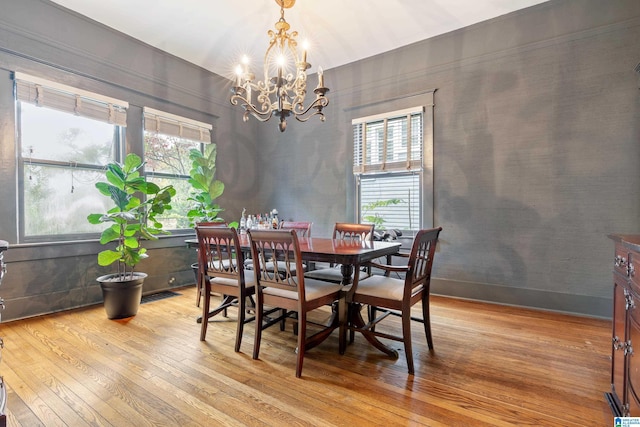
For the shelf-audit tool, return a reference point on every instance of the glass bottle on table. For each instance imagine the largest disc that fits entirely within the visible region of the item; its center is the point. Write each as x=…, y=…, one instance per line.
x=243, y=222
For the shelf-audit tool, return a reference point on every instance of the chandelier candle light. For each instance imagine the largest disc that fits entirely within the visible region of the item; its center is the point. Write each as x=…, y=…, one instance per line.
x=284, y=93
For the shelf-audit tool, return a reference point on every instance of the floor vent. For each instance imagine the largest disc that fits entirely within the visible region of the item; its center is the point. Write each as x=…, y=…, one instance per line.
x=158, y=296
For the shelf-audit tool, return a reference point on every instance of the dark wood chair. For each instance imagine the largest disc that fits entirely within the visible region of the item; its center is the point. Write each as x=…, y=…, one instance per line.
x=194, y=266
x=295, y=295
x=303, y=228
x=220, y=265
x=386, y=295
x=343, y=231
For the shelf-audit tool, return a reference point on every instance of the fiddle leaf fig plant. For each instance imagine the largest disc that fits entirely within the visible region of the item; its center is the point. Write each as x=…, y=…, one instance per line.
x=132, y=218
x=206, y=188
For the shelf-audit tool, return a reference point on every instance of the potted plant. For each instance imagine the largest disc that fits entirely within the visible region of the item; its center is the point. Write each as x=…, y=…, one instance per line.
x=129, y=221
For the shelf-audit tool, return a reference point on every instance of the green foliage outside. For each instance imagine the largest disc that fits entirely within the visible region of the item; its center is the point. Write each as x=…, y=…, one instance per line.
x=131, y=219
x=369, y=216
x=167, y=163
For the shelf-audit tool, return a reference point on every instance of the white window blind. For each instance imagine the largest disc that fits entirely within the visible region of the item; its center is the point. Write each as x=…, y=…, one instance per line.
x=45, y=93
x=181, y=127
x=389, y=142
x=402, y=187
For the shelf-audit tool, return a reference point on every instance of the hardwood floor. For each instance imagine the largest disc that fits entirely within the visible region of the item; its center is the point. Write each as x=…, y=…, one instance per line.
x=492, y=366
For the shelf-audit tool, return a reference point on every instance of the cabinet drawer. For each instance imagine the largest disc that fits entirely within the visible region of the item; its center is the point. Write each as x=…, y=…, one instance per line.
x=621, y=260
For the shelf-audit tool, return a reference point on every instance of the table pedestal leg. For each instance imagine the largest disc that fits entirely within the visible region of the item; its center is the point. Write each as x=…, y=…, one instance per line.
x=347, y=272
x=356, y=321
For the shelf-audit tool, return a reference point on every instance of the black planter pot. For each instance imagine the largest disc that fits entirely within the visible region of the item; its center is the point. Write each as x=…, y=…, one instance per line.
x=121, y=298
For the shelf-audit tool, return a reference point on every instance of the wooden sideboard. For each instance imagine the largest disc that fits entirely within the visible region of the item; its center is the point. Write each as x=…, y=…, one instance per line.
x=624, y=397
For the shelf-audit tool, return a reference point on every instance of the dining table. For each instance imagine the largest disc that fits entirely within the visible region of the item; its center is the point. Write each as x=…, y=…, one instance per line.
x=350, y=255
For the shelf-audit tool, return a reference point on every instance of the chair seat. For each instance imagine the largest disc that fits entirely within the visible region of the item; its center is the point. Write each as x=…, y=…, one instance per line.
x=313, y=289
x=249, y=280
x=332, y=274
x=384, y=287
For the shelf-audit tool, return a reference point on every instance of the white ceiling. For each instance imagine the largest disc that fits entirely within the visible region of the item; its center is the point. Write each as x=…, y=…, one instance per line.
x=214, y=34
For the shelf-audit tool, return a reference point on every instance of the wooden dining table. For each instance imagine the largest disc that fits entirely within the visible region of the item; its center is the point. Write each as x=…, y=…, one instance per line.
x=350, y=255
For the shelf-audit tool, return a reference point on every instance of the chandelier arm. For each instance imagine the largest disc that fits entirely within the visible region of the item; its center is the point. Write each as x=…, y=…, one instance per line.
x=306, y=118
x=262, y=116
x=318, y=104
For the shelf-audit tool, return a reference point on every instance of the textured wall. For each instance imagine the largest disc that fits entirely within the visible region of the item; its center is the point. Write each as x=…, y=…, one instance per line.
x=43, y=39
x=535, y=150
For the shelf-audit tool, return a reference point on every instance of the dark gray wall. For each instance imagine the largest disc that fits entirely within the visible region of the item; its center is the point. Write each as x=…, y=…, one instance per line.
x=535, y=148
x=43, y=39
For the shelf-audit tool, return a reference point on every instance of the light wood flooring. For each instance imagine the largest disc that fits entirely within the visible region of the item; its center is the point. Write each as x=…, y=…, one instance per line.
x=492, y=366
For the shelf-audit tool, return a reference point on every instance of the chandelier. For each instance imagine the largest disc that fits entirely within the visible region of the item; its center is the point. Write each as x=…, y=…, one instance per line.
x=284, y=88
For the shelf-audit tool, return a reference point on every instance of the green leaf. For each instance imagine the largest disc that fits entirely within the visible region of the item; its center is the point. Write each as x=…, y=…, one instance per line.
x=103, y=187
x=110, y=234
x=94, y=218
x=152, y=188
x=131, y=242
x=134, y=202
x=115, y=174
x=137, y=183
x=132, y=163
x=130, y=230
x=216, y=189
x=194, y=154
x=108, y=257
x=119, y=197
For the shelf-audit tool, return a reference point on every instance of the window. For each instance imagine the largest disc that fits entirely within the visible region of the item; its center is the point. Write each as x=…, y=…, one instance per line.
x=168, y=139
x=387, y=163
x=66, y=138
